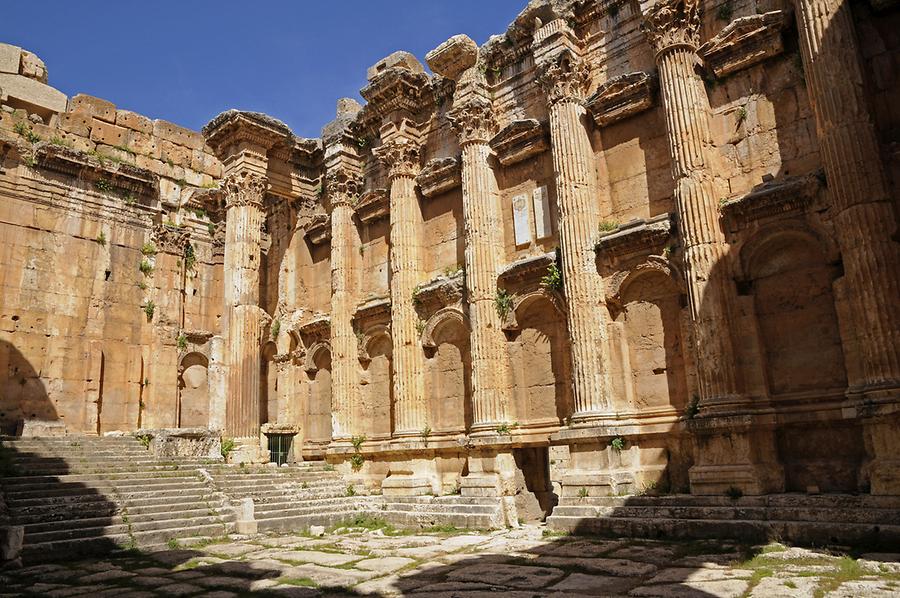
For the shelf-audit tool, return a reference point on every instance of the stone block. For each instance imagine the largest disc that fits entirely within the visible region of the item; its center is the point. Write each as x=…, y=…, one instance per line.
x=317, y=530
x=453, y=56
x=143, y=143
x=399, y=59
x=32, y=67
x=109, y=134
x=10, y=58
x=206, y=163
x=11, y=538
x=178, y=135
x=35, y=93
x=135, y=121
x=96, y=107
x=32, y=428
x=174, y=153
x=77, y=123
x=405, y=486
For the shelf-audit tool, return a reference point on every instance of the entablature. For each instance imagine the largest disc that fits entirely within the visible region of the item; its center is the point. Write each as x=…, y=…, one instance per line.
x=519, y=141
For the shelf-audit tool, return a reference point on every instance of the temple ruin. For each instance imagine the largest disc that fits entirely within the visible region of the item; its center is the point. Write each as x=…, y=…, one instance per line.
x=622, y=249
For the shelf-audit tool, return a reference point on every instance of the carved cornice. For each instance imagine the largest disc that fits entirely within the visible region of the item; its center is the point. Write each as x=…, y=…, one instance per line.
x=373, y=205
x=773, y=199
x=318, y=229
x=343, y=186
x=526, y=272
x=373, y=311
x=637, y=236
x=255, y=128
x=198, y=337
x=744, y=42
x=243, y=188
x=122, y=177
x=564, y=77
x=473, y=120
x=520, y=140
x=170, y=239
x=671, y=24
x=441, y=292
x=622, y=97
x=397, y=89
x=401, y=157
x=317, y=328
x=439, y=176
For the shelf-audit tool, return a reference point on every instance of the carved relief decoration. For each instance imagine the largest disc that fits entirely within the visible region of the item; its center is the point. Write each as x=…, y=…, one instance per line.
x=564, y=78
x=473, y=120
x=244, y=188
x=439, y=176
x=342, y=186
x=400, y=157
x=622, y=97
x=670, y=23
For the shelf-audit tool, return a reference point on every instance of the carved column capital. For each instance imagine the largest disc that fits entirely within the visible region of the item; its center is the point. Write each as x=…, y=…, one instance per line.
x=244, y=188
x=401, y=157
x=672, y=23
x=170, y=239
x=564, y=77
x=343, y=186
x=473, y=121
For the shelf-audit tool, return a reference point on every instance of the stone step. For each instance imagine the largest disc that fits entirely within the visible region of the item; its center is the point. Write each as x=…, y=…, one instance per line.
x=169, y=505
x=270, y=510
x=425, y=519
x=135, y=519
x=131, y=490
x=99, y=482
x=771, y=500
x=99, y=470
x=449, y=509
x=148, y=499
x=173, y=523
x=19, y=481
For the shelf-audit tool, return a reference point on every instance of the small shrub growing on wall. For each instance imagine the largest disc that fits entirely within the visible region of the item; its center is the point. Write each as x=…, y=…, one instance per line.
x=146, y=268
x=617, y=443
x=503, y=302
x=149, y=309
x=356, y=461
x=227, y=447
x=553, y=279
x=182, y=342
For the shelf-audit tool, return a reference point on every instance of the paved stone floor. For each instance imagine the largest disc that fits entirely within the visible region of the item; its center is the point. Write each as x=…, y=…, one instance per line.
x=376, y=560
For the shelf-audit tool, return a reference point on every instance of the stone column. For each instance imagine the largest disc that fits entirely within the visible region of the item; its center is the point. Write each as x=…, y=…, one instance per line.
x=672, y=28
x=401, y=156
x=474, y=122
x=343, y=189
x=864, y=223
x=244, y=194
x=565, y=78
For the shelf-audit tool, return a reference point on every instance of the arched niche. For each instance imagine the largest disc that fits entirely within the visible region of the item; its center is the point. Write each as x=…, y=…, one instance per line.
x=193, y=381
x=377, y=389
x=318, y=412
x=540, y=359
x=448, y=367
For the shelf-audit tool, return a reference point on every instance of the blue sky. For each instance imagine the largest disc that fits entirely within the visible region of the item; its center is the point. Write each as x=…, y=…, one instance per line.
x=186, y=61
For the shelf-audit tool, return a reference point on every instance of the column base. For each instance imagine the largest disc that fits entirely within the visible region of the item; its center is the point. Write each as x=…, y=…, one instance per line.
x=247, y=450
x=406, y=485
x=735, y=454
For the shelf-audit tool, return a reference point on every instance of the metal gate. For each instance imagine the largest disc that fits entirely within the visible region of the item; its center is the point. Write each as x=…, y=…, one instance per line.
x=279, y=447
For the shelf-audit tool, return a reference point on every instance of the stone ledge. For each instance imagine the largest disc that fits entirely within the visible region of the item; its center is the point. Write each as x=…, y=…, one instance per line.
x=636, y=236
x=622, y=97
x=744, y=42
x=373, y=205
x=519, y=141
x=439, y=176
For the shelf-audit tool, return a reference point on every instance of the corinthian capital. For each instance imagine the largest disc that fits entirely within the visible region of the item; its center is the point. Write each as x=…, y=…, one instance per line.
x=564, y=77
x=672, y=23
x=473, y=121
x=343, y=186
x=400, y=156
x=243, y=188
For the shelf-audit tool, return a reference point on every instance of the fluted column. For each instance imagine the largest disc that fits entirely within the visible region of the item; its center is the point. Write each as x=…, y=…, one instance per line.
x=474, y=123
x=863, y=215
x=401, y=156
x=671, y=27
x=343, y=189
x=244, y=194
x=565, y=78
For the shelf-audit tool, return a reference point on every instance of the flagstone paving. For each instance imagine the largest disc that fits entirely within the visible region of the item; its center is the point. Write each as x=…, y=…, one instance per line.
x=374, y=559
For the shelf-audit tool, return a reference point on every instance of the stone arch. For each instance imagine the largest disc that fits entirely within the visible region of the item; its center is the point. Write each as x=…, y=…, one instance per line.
x=448, y=371
x=540, y=359
x=193, y=382
x=268, y=381
x=650, y=340
x=377, y=389
x=318, y=413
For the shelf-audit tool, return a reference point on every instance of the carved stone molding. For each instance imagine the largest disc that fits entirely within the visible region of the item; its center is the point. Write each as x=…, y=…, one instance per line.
x=637, y=236
x=771, y=200
x=372, y=312
x=317, y=328
x=243, y=188
x=400, y=157
x=373, y=205
x=439, y=176
x=620, y=281
x=564, y=77
x=473, y=120
x=453, y=57
x=234, y=128
x=397, y=88
x=672, y=23
x=523, y=298
x=318, y=230
x=526, y=272
x=520, y=140
x=342, y=186
x=447, y=314
x=744, y=42
x=441, y=292
x=170, y=239
x=123, y=178
x=622, y=97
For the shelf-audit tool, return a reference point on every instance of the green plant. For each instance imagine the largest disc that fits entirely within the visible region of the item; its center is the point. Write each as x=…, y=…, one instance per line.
x=103, y=186
x=553, y=279
x=142, y=285
x=582, y=492
x=725, y=11
x=505, y=429
x=148, y=248
x=211, y=228
x=60, y=142
x=144, y=439
x=451, y=271
x=693, y=408
x=29, y=160
x=617, y=443
x=503, y=302
x=182, y=342
x=356, y=462
x=608, y=226
x=190, y=257
x=351, y=491
x=741, y=114
x=101, y=238
x=357, y=442
x=329, y=467
x=275, y=329
x=149, y=308
x=227, y=447
x=27, y=132
x=734, y=492
x=145, y=267
x=425, y=433
x=420, y=326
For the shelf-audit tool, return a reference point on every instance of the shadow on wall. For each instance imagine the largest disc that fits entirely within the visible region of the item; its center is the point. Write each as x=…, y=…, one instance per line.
x=22, y=392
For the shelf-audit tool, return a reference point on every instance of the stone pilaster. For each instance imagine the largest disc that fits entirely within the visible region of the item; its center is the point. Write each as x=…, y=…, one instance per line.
x=864, y=221
x=244, y=194
x=343, y=187
x=401, y=156
x=473, y=120
x=733, y=449
x=565, y=78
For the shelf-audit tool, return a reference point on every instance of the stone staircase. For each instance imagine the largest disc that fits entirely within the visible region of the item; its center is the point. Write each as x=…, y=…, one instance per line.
x=430, y=511
x=826, y=519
